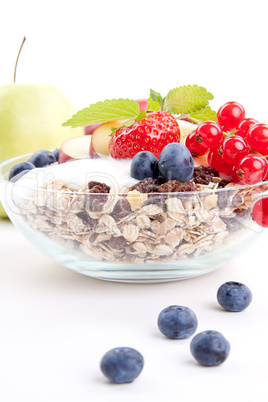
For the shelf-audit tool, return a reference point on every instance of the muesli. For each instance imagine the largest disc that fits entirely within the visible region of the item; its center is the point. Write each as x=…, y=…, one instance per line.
x=143, y=227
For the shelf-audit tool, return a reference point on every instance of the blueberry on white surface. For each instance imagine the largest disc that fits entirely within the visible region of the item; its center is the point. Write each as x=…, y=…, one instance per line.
x=210, y=348
x=42, y=158
x=122, y=364
x=176, y=163
x=19, y=168
x=144, y=164
x=234, y=296
x=177, y=322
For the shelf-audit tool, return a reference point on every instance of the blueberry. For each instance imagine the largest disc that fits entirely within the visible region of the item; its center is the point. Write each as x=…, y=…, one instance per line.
x=42, y=158
x=210, y=348
x=122, y=365
x=19, y=168
x=177, y=322
x=143, y=165
x=56, y=154
x=234, y=296
x=176, y=163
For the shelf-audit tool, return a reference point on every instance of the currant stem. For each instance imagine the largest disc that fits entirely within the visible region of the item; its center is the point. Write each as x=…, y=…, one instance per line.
x=189, y=118
x=228, y=133
x=15, y=70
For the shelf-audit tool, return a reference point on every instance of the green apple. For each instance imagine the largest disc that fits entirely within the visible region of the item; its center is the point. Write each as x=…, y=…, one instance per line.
x=31, y=117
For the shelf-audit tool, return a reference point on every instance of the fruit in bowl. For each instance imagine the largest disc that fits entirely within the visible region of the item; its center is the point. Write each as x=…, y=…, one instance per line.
x=150, y=210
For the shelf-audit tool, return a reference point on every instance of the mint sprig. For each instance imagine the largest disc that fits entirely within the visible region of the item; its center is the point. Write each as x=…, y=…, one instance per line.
x=102, y=112
x=189, y=102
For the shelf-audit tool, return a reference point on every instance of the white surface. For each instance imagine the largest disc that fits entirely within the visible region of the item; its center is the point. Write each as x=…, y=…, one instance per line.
x=56, y=325
x=95, y=50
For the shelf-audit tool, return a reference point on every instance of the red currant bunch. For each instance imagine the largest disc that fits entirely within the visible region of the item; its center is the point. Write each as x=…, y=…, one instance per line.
x=236, y=146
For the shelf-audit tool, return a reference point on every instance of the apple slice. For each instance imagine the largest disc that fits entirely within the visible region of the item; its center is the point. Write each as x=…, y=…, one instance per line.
x=185, y=128
x=143, y=103
x=75, y=148
x=101, y=136
x=92, y=127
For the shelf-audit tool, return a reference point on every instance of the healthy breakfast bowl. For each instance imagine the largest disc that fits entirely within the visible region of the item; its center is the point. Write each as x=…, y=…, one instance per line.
x=160, y=190
x=134, y=236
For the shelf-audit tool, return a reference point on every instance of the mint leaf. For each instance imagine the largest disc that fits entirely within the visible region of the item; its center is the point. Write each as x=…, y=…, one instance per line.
x=204, y=114
x=187, y=99
x=102, y=112
x=155, y=96
x=155, y=101
x=153, y=106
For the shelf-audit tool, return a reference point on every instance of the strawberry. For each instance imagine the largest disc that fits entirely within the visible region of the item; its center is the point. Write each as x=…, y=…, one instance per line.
x=152, y=134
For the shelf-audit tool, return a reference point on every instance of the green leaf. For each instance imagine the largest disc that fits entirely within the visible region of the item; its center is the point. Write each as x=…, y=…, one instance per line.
x=141, y=115
x=187, y=99
x=129, y=123
x=102, y=112
x=155, y=96
x=153, y=106
x=204, y=114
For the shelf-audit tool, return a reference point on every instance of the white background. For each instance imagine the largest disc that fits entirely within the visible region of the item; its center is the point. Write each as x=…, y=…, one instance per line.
x=54, y=324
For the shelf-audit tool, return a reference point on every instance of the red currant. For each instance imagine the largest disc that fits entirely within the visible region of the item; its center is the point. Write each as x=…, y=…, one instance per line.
x=233, y=175
x=234, y=148
x=251, y=169
x=257, y=138
x=215, y=160
x=230, y=115
x=194, y=147
x=260, y=212
x=209, y=134
x=244, y=126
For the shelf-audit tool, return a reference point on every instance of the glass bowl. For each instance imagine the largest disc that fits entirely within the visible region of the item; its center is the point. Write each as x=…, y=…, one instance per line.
x=134, y=237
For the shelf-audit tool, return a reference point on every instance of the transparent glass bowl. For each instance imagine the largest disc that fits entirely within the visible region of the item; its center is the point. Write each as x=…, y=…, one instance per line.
x=134, y=237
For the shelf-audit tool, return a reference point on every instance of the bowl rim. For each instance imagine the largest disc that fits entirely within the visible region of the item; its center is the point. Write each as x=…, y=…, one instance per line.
x=233, y=187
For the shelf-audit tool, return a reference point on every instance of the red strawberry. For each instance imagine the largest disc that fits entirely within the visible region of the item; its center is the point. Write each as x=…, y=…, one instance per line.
x=152, y=134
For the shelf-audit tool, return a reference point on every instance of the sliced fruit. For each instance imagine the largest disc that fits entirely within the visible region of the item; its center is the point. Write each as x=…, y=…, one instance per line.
x=185, y=128
x=91, y=128
x=101, y=137
x=75, y=148
x=143, y=103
